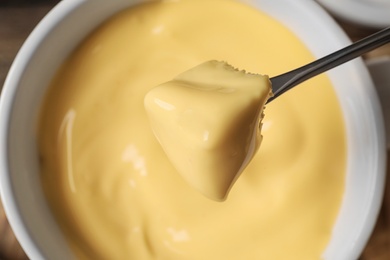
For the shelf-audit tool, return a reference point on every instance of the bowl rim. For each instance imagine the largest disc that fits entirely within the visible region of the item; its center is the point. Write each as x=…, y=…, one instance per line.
x=10, y=88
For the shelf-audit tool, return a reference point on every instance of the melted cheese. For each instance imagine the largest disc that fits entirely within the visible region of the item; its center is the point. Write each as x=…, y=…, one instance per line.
x=207, y=120
x=111, y=186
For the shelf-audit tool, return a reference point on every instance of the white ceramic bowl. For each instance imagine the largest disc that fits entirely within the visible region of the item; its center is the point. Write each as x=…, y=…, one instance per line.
x=68, y=23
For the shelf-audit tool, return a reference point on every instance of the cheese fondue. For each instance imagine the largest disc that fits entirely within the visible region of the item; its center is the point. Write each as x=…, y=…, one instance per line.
x=112, y=188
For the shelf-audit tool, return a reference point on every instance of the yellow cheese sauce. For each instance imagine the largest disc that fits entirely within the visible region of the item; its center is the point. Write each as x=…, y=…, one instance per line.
x=208, y=122
x=113, y=190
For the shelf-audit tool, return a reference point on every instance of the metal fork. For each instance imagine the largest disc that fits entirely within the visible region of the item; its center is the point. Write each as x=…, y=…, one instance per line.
x=288, y=80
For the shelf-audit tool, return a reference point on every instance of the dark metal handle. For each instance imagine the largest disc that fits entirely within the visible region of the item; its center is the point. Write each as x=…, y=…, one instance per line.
x=286, y=81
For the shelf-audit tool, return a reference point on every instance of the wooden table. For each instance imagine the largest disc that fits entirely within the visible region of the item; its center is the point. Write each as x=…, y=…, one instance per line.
x=19, y=17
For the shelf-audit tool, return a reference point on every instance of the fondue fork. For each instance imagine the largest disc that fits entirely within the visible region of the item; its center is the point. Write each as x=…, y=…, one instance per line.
x=288, y=80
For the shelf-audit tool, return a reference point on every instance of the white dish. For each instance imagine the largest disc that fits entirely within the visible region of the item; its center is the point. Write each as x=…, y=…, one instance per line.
x=70, y=21
x=371, y=13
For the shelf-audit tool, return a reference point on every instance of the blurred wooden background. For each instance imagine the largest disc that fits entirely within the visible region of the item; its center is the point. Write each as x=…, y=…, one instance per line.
x=17, y=20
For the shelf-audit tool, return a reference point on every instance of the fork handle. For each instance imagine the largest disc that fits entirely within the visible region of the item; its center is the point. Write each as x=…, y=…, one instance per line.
x=288, y=80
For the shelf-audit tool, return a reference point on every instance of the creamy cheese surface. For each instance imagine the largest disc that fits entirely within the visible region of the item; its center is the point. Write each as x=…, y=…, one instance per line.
x=110, y=185
x=208, y=121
